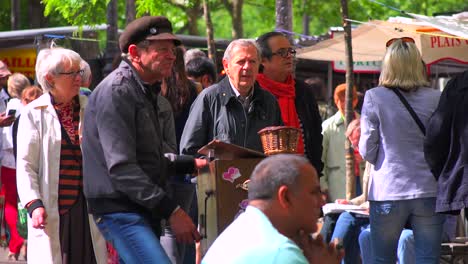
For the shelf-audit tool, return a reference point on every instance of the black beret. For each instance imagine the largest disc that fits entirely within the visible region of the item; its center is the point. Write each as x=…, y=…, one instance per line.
x=147, y=27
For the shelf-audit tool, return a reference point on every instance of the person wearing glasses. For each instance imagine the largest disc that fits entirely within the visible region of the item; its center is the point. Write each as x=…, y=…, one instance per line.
x=296, y=99
x=236, y=108
x=49, y=166
x=401, y=188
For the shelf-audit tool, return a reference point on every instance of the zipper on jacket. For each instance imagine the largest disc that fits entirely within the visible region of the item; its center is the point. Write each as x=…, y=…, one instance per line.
x=246, y=125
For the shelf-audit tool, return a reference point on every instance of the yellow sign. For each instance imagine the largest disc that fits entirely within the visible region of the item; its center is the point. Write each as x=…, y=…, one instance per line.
x=20, y=60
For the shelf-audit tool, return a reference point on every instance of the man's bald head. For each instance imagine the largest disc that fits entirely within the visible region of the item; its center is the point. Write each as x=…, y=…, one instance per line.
x=273, y=172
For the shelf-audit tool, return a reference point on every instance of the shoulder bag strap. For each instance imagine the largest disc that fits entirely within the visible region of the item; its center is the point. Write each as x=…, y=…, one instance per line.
x=410, y=110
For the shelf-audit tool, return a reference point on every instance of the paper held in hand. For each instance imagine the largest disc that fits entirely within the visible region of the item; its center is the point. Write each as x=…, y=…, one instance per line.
x=339, y=208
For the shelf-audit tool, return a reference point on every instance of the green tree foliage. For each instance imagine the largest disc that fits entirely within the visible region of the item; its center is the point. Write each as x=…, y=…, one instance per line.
x=328, y=14
x=258, y=15
x=78, y=12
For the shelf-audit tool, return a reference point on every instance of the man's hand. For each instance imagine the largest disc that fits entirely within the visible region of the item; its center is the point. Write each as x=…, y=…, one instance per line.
x=325, y=195
x=183, y=227
x=6, y=120
x=201, y=163
x=316, y=251
x=39, y=217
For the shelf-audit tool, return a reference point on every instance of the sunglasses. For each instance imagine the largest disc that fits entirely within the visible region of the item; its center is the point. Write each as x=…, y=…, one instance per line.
x=284, y=53
x=403, y=39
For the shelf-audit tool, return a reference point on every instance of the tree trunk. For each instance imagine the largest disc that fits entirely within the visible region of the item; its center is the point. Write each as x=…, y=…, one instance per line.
x=237, y=27
x=15, y=15
x=349, y=111
x=192, y=18
x=36, y=14
x=130, y=11
x=112, y=36
x=284, y=16
x=235, y=11
x=209, y=33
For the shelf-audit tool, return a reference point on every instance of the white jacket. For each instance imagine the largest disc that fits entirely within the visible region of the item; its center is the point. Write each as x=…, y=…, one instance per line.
x=38, y=162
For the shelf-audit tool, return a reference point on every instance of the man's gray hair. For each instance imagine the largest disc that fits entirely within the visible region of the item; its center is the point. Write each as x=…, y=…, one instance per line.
x=273, y=172
x=84, y=65
x=240, y=43
x=192, y=54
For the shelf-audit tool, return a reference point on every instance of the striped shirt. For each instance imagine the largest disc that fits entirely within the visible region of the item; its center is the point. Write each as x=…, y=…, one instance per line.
x=70, y=173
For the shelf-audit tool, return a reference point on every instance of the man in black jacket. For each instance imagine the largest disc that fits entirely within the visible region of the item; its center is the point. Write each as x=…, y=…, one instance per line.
x=297, y=102
x=446, y=147
x=124, y=165
x=236, y=108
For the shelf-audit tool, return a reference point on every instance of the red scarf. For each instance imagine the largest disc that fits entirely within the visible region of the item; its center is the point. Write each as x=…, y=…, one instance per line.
x=285, y=93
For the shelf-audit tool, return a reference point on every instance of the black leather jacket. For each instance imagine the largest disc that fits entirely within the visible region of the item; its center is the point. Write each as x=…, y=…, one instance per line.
x=309, y=115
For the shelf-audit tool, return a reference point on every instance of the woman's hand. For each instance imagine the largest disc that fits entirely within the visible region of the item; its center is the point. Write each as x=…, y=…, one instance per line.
x=343, y=201
x=39, y=217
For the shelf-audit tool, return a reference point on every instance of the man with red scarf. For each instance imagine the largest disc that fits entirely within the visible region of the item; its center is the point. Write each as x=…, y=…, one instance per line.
x=296, y=99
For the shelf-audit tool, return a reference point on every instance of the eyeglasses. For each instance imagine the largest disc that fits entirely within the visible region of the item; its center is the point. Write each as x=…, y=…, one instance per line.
x=284, y=53
x=73, y=73
x=403, y=39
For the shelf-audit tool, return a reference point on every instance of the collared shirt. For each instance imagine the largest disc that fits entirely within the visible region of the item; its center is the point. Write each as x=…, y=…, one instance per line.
x=256, y=241
x=244, y=100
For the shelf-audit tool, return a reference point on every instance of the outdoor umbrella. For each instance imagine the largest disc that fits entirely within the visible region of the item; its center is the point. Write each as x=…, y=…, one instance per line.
x=368, y=43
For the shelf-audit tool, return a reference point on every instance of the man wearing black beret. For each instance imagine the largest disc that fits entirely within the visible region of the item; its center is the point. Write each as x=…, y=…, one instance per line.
x=124, y=166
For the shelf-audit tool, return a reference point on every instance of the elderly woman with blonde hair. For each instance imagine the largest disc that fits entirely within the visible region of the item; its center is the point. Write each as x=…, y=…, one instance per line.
x=401, y=187
x=49, y=174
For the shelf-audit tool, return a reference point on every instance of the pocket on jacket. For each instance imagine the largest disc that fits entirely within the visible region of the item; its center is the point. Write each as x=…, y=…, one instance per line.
x=145, y=128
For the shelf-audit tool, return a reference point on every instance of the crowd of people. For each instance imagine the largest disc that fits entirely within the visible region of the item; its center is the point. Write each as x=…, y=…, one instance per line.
x=106, y=175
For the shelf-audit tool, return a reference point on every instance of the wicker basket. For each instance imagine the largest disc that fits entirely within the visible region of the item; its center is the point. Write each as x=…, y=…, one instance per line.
x=279, y=139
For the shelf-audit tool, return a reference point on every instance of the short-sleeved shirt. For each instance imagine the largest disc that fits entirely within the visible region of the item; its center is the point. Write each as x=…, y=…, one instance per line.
x=251, y=238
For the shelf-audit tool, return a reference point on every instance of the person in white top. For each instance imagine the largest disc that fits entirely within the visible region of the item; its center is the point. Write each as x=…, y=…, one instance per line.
x=16, y=84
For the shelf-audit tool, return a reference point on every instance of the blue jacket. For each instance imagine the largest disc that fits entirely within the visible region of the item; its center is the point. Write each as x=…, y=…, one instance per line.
x=392, y=141
x=446, y=146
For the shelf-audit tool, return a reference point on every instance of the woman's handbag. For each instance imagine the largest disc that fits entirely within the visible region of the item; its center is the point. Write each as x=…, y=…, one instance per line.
x=22, y=224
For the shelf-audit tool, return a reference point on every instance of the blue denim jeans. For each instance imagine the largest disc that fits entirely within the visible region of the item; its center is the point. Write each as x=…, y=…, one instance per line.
x=387, y=219
x=347, y=229
x=405, y=250
x=182, y=194
x=132, y=237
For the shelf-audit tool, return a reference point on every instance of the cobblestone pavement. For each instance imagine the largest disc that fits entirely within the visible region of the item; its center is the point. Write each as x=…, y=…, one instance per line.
x=4, y=257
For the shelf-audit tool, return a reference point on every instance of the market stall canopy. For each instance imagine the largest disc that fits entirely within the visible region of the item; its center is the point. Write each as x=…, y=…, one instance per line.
x=455, y=24
x=369, y=40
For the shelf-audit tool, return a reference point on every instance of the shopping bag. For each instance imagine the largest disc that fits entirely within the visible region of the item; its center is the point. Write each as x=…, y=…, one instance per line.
x=22, y=224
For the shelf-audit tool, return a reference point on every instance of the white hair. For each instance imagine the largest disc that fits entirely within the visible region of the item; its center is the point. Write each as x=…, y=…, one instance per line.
x=240, y=43
x=52, y=61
